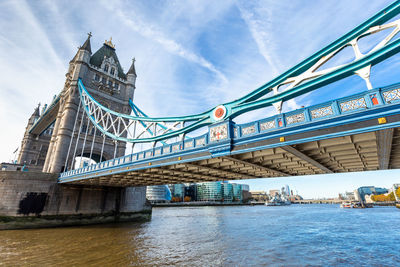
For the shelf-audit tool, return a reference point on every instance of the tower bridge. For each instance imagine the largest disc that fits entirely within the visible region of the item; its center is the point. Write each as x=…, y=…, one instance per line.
x=92, y=118
x=355, y=133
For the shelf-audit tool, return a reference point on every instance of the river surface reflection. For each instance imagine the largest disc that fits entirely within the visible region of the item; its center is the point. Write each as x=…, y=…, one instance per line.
x=296, y=235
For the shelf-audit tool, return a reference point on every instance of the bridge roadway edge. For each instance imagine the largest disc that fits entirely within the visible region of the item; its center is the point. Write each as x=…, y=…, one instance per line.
x=36, y=200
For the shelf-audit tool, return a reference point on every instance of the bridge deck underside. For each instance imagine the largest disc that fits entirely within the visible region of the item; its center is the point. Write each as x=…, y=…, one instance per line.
x=359, y=152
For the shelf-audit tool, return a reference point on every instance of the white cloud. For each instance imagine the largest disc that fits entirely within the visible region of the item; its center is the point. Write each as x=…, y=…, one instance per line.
x=150, y=31
x=258, y=20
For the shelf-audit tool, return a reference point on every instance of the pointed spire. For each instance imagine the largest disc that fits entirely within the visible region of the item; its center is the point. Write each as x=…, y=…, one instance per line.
x=86, y=46
x=132, y=69
x=36, y=113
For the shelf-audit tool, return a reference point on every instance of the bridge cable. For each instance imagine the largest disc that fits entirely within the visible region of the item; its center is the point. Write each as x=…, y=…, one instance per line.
x=134, y=134
x=102, y=147
x=115, y=148
x=77, y=138
x=72, y=136
x=84, y=141
x=116, y=141
x=94, y=138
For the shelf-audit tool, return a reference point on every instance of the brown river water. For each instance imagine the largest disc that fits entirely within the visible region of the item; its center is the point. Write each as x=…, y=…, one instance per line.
x=296, y=235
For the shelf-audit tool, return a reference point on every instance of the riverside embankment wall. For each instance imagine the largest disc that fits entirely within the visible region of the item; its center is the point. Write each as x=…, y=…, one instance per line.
x=35, y=199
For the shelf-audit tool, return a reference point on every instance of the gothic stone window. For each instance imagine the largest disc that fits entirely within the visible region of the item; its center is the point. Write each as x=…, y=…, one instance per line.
x=112, y=71
x=110, y=83
x=97, y=77
x=106, y=68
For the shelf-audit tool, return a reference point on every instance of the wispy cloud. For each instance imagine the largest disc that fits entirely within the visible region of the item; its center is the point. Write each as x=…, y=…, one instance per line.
x=150, y=31
x=258, y=18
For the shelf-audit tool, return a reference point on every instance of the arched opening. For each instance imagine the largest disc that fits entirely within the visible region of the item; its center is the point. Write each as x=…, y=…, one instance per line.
x=86, y=160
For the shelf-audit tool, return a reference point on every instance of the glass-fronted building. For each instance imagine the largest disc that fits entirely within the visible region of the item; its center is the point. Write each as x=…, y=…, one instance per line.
x=158, y=193
x=178, y=190
x=191, y=192
x=209, y=191
x=206, y=191
x=227, y=192
x=237, y=192
x=369, y=190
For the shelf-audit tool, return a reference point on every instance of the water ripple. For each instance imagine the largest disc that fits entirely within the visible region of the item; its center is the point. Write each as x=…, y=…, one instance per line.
x=298, y=235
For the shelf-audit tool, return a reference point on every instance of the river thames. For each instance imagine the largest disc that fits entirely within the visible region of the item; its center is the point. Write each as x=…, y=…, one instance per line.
x=296, y=235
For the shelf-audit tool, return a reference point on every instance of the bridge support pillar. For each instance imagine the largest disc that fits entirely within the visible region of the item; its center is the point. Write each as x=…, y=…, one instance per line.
x=61, y=138
x=36, y=200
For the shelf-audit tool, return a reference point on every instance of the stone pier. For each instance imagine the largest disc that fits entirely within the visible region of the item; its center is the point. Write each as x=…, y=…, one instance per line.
x=35, y=199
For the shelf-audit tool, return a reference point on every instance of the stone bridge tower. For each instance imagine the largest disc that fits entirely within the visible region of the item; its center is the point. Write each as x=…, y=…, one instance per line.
x=34, y=146
x=104, y=78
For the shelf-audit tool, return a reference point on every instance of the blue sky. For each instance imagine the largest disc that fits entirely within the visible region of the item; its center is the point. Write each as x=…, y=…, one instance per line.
x=190, y=56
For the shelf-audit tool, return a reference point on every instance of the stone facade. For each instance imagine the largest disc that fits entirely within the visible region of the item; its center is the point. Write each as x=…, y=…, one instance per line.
x=34, y=147
x=35, y=199
x=103, y=77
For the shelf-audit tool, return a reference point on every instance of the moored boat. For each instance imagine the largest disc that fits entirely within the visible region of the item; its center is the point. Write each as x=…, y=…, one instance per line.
x=347, y=205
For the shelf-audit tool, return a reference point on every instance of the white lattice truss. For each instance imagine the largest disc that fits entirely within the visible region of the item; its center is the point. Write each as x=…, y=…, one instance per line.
x=125, y=128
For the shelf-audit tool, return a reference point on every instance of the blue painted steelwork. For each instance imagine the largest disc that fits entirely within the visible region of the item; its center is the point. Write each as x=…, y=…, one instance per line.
x=312, y=80
x=355, y=108
x=139, y=113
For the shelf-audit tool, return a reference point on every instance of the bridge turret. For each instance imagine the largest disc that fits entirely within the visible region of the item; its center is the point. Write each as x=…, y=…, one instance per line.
x=85, y=51
x=131, y=80
x=35, y=115
x=103, y=76
x=80, y=62
x=33, y=147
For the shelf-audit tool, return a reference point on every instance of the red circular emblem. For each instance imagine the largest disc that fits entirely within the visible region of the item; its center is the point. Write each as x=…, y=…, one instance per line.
x=219, y=112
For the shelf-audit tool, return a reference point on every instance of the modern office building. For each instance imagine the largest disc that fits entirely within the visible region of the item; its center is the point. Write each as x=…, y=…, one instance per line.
x=158, y=193
x=177, y=190
x=246, y=196
x=227, y=192
x=209, y=191
x=361, y=192
x=237, y=192
x=191, y=192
